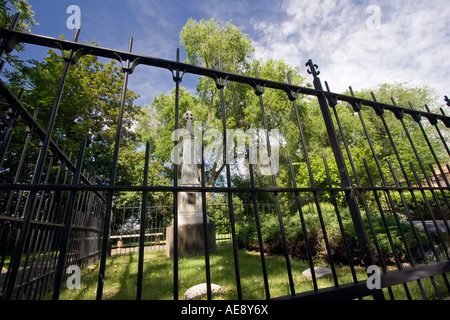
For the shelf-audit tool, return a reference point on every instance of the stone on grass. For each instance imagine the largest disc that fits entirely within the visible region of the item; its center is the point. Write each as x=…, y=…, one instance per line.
x=200, y=290
x=320, y=272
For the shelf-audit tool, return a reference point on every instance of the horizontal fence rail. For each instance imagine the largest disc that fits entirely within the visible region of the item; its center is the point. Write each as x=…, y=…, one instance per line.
x=54, y=216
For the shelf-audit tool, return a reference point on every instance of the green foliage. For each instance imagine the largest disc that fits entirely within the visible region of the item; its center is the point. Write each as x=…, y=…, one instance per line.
x=158, y=122
x=421, y=204
x=319, y=172
x=219, y=213
x=207, y=41
x=10, y=7
x=403, y=94
x=271, y=234
x=358, y=144
x=89, y=106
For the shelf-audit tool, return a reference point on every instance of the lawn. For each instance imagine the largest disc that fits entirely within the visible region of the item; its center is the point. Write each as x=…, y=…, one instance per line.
x=121, y=277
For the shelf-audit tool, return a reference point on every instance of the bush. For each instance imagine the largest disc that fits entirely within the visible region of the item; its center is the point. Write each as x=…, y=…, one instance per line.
x=418, y=204
x=272, y=240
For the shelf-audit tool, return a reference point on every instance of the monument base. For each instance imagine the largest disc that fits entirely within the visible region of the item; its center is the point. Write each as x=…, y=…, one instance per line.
x=191, y=240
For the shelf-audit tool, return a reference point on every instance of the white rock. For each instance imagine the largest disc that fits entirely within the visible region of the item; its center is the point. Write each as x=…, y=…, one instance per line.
x=320, y=272
x=200, y=290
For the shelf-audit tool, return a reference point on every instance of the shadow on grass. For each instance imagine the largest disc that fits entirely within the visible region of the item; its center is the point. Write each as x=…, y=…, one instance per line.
x=121, y=276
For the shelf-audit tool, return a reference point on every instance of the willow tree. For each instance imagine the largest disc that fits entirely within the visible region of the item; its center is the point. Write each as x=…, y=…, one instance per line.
x=219, y=45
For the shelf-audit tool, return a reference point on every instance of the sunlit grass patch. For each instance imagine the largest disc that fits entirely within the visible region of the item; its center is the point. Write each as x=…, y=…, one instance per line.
x=120, y=281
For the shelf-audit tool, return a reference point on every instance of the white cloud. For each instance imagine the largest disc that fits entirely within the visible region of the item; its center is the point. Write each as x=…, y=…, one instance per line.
x=411, y=43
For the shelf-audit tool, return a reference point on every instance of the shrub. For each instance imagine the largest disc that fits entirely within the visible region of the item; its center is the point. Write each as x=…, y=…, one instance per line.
x=272, y=240
x=418, y=204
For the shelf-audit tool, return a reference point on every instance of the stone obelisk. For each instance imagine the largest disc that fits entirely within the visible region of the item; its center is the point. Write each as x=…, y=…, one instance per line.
x=190, y=217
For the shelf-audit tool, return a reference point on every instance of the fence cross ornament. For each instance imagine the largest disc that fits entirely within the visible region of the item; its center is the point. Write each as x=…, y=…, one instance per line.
x=189, y=117
x=189, y=173
x=313, y=68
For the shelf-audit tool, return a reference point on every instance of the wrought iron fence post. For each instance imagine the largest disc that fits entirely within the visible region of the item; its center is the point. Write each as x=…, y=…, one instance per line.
x=142, y=224
x=350, y=193
x=259, y=91
x=68, y=223
x=18, y=251
x=177, y=77
x=112, y=181
x=12, y=26
x=220, y=84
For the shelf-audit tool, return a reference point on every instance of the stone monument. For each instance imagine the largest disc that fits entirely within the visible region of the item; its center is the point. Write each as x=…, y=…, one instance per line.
x=190, y=215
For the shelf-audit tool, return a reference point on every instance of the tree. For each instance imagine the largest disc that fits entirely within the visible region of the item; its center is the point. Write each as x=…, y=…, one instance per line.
x=8, y=8
x=206, y=42
x=403, y=95
x=89, y=106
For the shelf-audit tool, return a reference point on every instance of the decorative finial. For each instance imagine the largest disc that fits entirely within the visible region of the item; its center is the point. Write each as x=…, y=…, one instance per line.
x=313, y=68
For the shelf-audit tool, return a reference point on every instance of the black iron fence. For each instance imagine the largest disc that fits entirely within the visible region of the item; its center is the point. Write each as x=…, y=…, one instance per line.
x=126, y=225
x=53, y=216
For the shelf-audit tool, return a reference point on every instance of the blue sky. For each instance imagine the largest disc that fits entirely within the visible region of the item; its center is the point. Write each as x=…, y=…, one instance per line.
x=352, y=44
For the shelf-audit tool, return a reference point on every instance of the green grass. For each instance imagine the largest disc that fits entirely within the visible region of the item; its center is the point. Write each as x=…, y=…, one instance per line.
x=121, y=277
